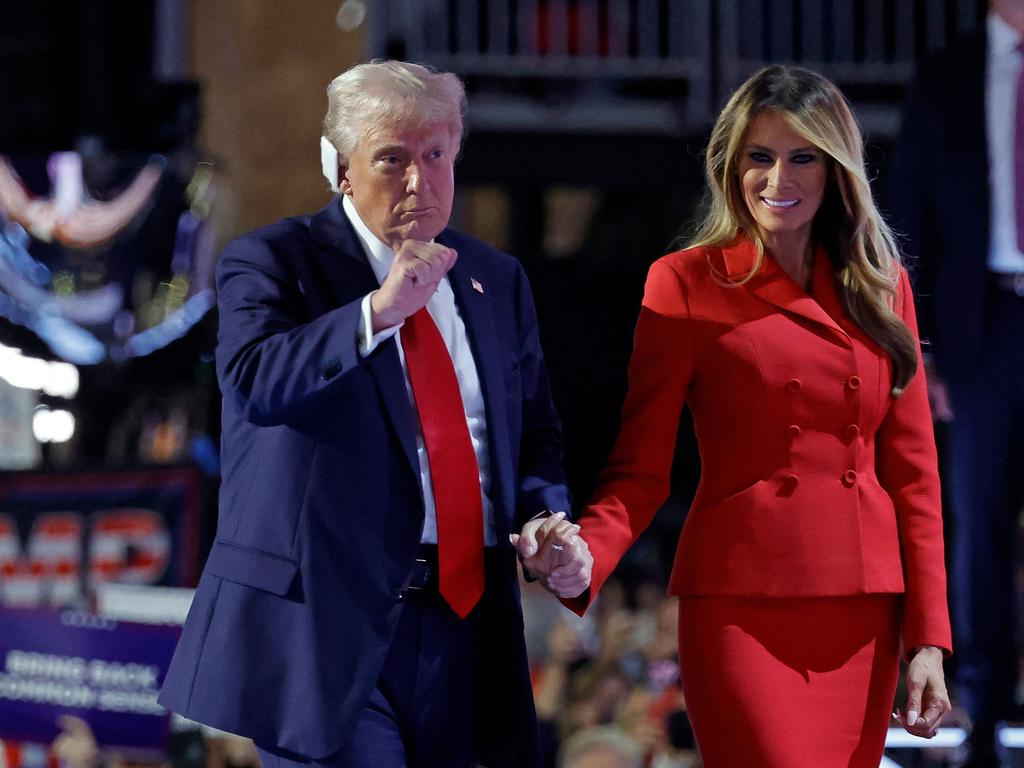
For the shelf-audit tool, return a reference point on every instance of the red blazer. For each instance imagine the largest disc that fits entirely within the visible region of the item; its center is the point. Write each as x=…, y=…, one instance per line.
x=815, y=480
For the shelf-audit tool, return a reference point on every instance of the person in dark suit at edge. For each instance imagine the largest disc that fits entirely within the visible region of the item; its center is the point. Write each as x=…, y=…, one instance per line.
x=388, y=436
x=958, y=198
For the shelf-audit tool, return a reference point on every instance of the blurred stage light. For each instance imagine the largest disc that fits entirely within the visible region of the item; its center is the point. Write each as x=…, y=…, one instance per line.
x=62, y=380
x=351, y=14
x=52, y=426
x=51, y=378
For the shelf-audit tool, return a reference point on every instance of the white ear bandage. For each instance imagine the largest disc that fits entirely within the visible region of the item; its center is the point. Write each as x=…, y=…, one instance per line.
x=329, y=162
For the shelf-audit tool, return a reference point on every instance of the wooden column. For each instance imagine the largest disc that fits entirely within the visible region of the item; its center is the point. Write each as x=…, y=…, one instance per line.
x=264, y=69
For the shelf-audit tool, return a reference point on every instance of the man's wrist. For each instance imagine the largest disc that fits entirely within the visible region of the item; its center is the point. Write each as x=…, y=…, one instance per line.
x=381, y=320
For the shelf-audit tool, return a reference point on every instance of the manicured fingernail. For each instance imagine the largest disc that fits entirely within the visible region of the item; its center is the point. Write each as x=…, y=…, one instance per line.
x=911, y=717
x=512, y=538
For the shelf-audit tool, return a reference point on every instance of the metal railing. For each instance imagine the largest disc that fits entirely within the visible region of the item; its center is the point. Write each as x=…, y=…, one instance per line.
x=669, y=63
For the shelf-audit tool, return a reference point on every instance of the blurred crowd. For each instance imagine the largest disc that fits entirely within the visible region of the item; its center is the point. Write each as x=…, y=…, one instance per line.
x=188, y=746
x=606, y=686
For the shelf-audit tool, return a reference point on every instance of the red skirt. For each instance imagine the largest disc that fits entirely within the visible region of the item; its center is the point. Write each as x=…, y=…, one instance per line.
x=790, y=682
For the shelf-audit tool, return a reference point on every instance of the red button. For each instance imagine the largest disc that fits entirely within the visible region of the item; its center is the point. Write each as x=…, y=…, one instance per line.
x=792, y=481
x=793, y=430
x=853, y=382
x=793, y=385
x=849, y=478
x=852, y=431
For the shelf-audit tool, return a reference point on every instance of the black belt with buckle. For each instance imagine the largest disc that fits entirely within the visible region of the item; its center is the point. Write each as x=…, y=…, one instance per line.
x=423, y=576
x=1011, y=281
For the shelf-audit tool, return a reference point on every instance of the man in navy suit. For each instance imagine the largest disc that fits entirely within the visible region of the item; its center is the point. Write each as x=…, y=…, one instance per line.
x=959, y=199
x=388, y=436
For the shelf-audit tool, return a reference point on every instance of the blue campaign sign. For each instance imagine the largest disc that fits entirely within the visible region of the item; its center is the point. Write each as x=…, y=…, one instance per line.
x=106, y=672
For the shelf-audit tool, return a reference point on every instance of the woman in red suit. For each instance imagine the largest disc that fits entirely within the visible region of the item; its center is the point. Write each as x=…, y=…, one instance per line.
x=813, y=548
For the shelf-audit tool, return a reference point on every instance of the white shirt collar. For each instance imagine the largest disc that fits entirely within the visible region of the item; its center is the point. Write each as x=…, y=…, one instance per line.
x=379, y=253
x=1002, y=38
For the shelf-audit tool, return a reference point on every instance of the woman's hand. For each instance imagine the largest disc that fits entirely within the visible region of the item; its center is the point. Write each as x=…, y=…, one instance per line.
x=553, y=553
x=927, y=700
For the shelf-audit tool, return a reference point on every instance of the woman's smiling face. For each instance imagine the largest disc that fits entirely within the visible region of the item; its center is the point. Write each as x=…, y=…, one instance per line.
x=783, y=177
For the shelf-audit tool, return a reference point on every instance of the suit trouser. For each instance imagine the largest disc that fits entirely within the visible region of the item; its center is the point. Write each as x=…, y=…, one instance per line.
x=985, y=463
x=421, y=712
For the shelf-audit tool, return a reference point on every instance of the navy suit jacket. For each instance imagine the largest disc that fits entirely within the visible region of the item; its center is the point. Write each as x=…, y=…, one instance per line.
x=321, y=508
x=940, y=203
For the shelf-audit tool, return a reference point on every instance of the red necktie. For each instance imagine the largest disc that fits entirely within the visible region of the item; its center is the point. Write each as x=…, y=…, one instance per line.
x=453, y=467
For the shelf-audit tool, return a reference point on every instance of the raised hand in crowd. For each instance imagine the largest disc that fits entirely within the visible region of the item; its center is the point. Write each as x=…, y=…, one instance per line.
x=75, y=745
x=565, y=647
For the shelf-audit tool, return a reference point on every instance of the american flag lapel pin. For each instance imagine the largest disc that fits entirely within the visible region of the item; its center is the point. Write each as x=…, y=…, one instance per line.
x=477, y=286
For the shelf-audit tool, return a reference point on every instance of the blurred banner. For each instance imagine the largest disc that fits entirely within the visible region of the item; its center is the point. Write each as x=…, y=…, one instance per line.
x=106, y=672
x=63, y=535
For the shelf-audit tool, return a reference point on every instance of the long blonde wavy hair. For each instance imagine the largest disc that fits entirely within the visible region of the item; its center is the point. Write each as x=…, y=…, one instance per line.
x=859, y=242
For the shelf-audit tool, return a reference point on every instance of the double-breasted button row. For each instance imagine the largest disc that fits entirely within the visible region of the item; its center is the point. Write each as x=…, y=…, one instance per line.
x=852, y=431
x=791, y=481
x=794, y=384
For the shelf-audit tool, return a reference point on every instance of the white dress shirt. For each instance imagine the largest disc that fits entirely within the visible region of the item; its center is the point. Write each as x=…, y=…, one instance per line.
x=1002, y=69
x=445, y=313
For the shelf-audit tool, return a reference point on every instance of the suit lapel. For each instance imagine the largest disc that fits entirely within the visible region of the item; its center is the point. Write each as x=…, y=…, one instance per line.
x=773, y=285
x=478, y=317
x=347, y=270
x=824, y=288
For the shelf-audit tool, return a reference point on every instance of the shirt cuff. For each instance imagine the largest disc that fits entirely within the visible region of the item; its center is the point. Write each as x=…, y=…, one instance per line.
x=368, y=341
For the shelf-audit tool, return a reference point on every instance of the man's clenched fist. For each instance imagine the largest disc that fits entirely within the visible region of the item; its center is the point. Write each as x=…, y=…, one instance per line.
x=412, y=280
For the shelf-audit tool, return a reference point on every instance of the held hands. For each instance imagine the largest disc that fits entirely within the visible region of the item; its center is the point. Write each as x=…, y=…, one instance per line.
x=415, y=273
x=552, y=551
x=927, y=700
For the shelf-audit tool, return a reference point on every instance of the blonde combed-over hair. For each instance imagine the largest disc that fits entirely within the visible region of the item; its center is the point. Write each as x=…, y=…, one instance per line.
x=388, y=92
x=848, y=224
